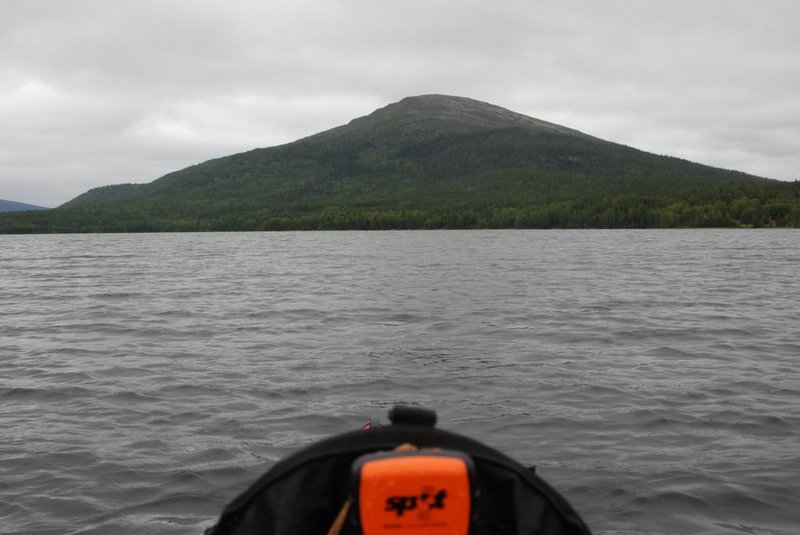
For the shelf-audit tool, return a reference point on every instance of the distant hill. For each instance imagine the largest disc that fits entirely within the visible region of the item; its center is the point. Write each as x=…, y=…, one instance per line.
x=431, y=161
x=13, y=206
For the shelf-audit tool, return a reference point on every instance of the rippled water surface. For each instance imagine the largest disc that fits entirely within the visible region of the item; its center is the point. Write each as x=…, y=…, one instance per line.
x=652, y=376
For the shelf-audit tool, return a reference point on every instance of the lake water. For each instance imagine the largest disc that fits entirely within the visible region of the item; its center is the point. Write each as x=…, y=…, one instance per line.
x=652, y=376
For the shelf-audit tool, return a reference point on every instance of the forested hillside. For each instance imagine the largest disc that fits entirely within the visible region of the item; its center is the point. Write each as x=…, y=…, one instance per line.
x=431, y=162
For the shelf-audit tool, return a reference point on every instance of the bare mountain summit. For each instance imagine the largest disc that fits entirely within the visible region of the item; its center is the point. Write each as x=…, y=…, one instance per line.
x=454, y=113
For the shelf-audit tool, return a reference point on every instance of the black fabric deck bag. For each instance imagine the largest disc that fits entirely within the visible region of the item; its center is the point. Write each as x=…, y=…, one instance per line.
x=302, y=494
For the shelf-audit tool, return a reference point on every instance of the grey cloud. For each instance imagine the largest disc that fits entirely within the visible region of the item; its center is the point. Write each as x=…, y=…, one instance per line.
x=118, y=91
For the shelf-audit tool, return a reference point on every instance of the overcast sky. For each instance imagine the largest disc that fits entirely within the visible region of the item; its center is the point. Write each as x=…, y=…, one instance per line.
x=104, y=92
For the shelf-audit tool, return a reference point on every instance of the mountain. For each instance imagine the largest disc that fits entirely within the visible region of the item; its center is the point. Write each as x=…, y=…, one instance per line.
x=13, y=206
x=431, y=161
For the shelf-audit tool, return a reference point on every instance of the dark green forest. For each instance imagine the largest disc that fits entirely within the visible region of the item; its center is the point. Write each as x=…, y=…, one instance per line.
x=767, y=205
x=431, y=163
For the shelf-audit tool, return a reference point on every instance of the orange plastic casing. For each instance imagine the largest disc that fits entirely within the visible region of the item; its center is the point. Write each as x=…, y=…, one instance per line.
x=414, y=493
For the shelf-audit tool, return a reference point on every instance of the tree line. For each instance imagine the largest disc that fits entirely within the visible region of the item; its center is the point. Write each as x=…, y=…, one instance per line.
x=761, y=206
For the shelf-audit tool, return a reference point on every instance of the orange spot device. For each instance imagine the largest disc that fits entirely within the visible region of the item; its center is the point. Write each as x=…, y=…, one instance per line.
x=426, y=492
